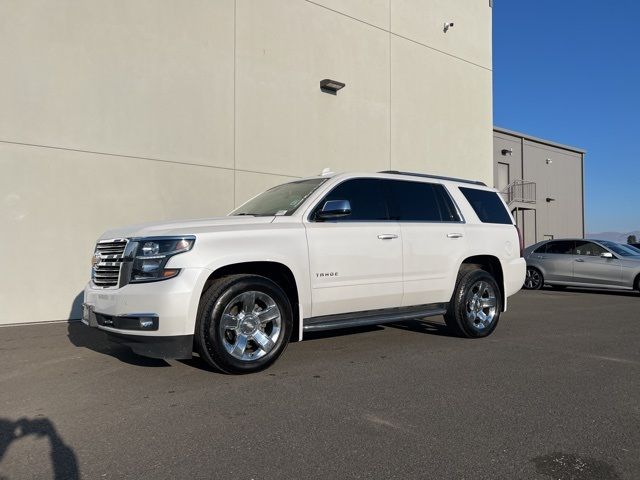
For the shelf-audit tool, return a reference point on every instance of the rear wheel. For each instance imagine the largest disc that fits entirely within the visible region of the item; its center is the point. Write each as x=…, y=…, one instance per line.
x=534, y=279
x=474, y=310
x=244, y=324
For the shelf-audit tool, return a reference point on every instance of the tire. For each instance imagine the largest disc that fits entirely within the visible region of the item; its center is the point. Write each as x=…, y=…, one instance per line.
x=466, y=315
x=534, y=279
x=244, y=323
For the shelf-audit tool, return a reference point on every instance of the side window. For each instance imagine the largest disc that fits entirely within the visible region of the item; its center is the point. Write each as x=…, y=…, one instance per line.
x=487, y=205
x=541, y=249
x=448, y=209
x=365, y=196
x=589, y=249
x=412, y=201
x=561, y=247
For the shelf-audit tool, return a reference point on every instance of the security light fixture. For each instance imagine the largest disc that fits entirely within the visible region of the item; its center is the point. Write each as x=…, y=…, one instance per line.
x=549, y=161
x=549, y=199
x=447, y=26
x=330, y=86
x=507, y=151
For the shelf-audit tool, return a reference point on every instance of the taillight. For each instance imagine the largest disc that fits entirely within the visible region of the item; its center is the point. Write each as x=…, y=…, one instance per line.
x=521, y=240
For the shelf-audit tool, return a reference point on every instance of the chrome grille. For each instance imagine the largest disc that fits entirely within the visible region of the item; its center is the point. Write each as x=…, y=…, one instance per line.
x=108, y=255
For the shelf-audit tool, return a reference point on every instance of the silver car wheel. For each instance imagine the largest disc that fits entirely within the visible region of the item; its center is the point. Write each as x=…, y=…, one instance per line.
x=533, y=279
x=481, y=305
x=250, y=325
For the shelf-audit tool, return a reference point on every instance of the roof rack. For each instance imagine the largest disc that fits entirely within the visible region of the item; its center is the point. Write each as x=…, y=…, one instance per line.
x=438, y=177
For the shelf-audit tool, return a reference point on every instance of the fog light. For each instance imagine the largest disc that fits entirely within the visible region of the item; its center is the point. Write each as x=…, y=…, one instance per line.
x=146, y=322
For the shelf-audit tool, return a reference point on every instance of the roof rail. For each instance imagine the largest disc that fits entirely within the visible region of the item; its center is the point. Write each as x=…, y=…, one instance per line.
x=438, y=177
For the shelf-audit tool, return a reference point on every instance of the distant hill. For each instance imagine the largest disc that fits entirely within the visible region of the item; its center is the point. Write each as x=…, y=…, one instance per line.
x=614, y=236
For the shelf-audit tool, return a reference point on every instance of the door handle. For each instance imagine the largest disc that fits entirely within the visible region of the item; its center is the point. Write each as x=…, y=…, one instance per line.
x=579, y=260
x=387, y=236
x=454, y=235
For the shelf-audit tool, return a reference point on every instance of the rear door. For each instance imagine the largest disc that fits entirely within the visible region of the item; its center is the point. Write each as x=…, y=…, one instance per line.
x=557, y=260
x=590, y=267
x=355, y=261
x=432, y=239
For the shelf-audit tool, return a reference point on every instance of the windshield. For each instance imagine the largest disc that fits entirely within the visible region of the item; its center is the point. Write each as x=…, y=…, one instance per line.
x=623, y=250
x=280, y=200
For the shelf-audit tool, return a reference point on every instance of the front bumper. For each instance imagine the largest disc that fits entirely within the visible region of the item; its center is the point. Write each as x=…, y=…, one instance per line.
x=155, y=319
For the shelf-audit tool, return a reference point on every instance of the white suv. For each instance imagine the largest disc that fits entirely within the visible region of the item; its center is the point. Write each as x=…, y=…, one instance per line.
x=315, y=254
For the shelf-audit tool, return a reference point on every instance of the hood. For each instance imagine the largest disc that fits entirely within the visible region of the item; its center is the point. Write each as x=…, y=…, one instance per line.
x=184, y=227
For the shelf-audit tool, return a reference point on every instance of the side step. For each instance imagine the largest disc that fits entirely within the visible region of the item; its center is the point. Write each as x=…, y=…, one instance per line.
x=372, y=317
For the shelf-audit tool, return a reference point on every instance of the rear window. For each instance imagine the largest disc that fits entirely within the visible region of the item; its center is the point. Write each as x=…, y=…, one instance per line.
x=487, y=205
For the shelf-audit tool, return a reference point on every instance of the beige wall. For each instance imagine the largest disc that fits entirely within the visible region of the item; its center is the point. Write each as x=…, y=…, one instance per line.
x=136, y=110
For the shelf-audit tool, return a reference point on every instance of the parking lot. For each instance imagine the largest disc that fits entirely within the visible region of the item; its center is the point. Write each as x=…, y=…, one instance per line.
x=554, y=393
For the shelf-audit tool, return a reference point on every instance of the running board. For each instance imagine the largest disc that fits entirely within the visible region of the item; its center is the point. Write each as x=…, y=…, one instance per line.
x=372, y=317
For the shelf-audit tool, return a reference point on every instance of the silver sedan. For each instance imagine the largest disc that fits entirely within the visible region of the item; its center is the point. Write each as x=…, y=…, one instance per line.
x=582, y=263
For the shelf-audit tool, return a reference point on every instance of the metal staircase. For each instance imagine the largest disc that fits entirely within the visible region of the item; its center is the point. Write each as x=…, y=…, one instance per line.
x=519, y=191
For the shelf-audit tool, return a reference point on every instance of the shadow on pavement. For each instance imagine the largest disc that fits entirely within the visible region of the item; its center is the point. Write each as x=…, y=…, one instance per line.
x=63, y=459
x=82, y=336
x=423, y=326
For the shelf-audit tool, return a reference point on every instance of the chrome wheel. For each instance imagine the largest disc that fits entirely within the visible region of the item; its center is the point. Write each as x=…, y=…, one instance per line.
x=533, y=279
x=481, y=305
x=250, y=325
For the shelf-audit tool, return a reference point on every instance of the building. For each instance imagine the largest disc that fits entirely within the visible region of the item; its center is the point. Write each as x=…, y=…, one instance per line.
x=543, y=183
x=124, y=112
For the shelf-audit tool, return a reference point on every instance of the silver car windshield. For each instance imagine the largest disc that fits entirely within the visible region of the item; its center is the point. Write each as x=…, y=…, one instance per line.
x=281, y=200
x=621, y=249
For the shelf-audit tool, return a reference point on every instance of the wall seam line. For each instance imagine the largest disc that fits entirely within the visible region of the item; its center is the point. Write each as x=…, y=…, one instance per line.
x=150, y=159
x=400, y=36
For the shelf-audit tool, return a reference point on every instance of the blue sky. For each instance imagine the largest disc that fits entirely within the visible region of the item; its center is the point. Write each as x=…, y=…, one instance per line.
x=569, y=71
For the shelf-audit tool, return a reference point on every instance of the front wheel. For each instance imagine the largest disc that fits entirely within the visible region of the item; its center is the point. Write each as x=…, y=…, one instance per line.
x=474, y=310
x=534, y=279
x=244, y=324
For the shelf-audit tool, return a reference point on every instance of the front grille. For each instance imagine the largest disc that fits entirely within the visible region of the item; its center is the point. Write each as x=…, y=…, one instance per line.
x=106, y=271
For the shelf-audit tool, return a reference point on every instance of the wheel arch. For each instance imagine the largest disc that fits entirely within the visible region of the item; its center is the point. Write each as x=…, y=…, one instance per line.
x=275, y=271
x=492, y=265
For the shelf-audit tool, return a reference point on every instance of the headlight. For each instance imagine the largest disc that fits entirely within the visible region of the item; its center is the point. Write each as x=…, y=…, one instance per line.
x=150, y=256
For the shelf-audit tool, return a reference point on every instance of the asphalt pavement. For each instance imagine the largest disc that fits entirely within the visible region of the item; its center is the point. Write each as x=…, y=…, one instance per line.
x=553, y=393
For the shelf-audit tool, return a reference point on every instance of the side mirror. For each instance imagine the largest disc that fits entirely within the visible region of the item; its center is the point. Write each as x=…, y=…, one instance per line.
x=606, y=255
x=335, y=209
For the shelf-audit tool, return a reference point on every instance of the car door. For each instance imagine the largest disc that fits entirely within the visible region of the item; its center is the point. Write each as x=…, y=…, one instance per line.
x=557, y=260
x=590, y=267
x=356, y=260
x=432, y=239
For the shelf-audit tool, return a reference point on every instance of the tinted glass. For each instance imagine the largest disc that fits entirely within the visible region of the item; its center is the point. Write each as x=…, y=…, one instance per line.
x=281, y=200
x=412, y=201
x=487, y=205
x=589, y=249
x=364, y=195
x=447, y=208
x=561, y=247
x=621, y=249
x=541, y=249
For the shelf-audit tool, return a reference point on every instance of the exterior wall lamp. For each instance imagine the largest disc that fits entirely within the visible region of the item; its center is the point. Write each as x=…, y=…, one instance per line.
x=507, y=151
x=549, y=199
x=331, y=86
